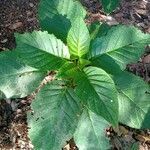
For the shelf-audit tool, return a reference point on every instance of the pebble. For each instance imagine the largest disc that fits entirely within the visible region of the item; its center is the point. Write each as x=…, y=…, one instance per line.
x=4, y=41
x=23, y=101
x=111, y=21
x=31, y=4
x=19, y=111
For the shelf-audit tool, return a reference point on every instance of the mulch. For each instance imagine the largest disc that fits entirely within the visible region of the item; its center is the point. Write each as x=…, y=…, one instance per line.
x=16, y=16
x=21, y=16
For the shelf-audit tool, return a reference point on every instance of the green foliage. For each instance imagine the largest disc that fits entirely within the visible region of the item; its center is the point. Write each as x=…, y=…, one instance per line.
x=17, y=79
x=91, y=89
x=56, y=16
x=56, y=113
x=109, y=5
x=135, y=146
x=98, y=91
x=77, y=40
x=134, y=97
x=90, y=132
x=120, y=46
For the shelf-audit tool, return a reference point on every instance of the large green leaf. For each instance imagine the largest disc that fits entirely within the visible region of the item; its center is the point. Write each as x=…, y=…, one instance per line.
x=58, y=25
x=109, y=5
x=69, y=8
x=56, y=112
x=120, y=46
x=98, y=29
x=90, y=133
x=41, y=50
x=78, y=39
x=66, y=70
x=134, y=100
x=56, y=15
x=17, y=79
x=97, y=90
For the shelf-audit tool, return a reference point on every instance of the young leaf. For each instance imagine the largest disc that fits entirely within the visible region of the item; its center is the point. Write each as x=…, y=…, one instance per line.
x=90, y=133
x=121, y=45
x=97, y=90
x=17, y=79
x=78, y=39
x=109, y=5
x=134, y=100
x=56, y=16
x=56, y=110
x=41, y=50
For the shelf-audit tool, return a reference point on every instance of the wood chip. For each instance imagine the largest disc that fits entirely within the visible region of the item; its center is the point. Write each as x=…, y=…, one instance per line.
x=146, y=59
x=16, y=25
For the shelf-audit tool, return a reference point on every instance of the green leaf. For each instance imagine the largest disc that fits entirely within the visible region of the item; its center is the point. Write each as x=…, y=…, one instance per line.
x=41, y=50
x=98, y=29
x=69, y=8
x=2, y=95
x=83, y=63
x=17, y=80
x=135, y=146
x=56, y=16
x=94, y=29
x=78, y=39
x=121, y=45
x=134, y=100
x=97, y=90
x=109, y=5
x=58, y=25
x=56, y=112
x=90, y=133
x=66, y=70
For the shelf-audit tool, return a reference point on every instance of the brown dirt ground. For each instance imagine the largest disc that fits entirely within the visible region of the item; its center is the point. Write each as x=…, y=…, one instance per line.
x=21, y=16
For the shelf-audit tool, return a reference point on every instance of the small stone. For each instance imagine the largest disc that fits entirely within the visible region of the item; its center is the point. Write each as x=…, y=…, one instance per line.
x=4, y=41
x=31, y=19
x=29, y=13
x=31, y=4
x=108, y=133
x=13, y=105
x=19, y=111
x=23, y=101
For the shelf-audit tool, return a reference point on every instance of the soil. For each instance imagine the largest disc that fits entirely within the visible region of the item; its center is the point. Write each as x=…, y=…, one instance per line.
x=16, y=16
x=21, y=16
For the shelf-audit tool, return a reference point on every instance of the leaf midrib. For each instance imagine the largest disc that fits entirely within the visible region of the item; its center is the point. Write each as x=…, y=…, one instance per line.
x=43, y=51
x=97, y=95
x=108, y=52
x=93, y=127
